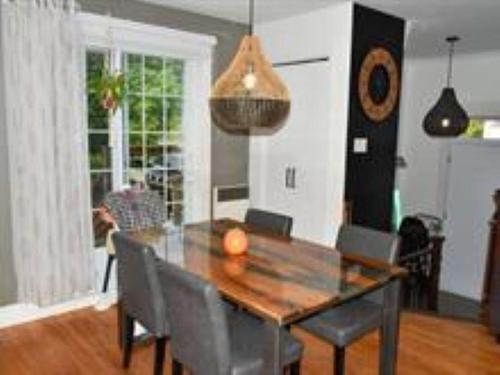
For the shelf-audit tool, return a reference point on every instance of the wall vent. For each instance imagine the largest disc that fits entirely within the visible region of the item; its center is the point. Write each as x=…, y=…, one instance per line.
x=230, y=202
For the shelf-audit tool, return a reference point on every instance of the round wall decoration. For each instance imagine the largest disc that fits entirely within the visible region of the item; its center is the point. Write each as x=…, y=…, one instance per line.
x=378, y=84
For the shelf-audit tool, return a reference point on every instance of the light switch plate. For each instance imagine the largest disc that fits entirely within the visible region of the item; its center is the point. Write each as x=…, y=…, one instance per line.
x=360, y=145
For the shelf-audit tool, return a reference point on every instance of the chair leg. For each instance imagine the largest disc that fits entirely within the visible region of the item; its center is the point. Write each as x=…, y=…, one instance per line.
x=161, y=342
x=128, y=340
x=176, y=367
x=111, y=258
x=295, y=368
x=339, y=364
x=120, y=323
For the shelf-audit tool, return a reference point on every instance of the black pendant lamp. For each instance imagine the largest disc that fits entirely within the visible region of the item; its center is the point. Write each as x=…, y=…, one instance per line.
x=447, y=118
x=249, y=94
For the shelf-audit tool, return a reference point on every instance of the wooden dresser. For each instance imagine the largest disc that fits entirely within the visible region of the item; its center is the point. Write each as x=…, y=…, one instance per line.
x=491, y=292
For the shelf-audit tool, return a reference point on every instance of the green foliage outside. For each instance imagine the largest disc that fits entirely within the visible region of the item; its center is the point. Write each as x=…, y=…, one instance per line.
x=152, y=99
x=154, y=84
x=475, y=129
x=151, y=96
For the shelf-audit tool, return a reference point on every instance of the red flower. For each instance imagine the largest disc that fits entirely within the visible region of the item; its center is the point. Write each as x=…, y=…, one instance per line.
x=108, y=101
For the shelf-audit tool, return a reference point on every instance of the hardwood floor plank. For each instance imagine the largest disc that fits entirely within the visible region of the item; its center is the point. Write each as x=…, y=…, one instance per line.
x=84, y=343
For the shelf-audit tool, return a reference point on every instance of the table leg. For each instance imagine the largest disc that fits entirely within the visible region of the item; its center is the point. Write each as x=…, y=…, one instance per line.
x=272, y=365
x=389, y=333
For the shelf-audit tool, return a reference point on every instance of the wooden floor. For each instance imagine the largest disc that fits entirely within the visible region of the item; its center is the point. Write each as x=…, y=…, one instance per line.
x=84, y=342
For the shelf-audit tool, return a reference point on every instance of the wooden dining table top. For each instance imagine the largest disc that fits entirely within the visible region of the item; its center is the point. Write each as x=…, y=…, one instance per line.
x=280, y=279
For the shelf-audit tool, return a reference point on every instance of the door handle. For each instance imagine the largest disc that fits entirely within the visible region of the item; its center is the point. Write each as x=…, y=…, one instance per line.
x=290, y=178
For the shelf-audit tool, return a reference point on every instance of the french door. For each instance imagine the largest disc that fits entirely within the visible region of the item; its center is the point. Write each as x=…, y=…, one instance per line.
x=160, y=136
x=143, y=143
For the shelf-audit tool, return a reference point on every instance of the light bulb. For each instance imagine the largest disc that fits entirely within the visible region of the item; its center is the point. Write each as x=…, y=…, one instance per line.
x=445, y=122
x=250, y=81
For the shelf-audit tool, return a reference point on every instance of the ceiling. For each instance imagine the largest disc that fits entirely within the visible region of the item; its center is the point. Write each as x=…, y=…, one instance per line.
x=476, y=21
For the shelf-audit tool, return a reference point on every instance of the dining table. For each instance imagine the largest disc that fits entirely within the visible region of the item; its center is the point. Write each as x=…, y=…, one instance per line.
x=281, y=280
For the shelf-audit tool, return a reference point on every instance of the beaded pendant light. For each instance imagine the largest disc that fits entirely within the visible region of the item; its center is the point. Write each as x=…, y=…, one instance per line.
x=249, y=94
x=447, y=118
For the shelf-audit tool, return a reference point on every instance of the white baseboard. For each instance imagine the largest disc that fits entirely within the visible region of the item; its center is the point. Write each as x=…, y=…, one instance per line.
x=23, y=313
x=12, y=315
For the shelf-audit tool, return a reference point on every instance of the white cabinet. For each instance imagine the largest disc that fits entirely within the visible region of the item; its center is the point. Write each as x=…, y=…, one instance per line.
x=303, y=147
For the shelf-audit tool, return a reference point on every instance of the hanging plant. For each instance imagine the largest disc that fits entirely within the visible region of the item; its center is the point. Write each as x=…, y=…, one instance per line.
x=111, y=89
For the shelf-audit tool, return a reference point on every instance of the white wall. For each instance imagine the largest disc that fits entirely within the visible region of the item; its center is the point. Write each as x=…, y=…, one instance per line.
x=324, y=33
x=419, y=182
x=477, y=83
x=474, y=175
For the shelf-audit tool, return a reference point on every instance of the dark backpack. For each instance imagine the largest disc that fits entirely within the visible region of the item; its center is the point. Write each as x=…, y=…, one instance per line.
x=414, y=235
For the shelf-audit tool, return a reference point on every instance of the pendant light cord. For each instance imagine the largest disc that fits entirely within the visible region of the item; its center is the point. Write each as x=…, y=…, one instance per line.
x=450, y=64
x=451, y=40
x=251, y=19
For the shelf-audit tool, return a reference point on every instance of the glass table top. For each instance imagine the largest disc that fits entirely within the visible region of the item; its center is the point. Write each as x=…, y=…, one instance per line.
x=280, y=279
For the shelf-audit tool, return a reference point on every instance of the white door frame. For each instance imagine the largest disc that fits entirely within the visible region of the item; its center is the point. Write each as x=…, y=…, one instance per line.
x=196, y=50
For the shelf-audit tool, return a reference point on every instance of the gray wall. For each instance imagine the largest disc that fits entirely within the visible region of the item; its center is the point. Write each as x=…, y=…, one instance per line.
x=229, y=152
x=7, y=275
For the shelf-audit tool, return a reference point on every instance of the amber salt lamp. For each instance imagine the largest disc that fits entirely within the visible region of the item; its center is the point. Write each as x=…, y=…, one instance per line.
x=235, y=242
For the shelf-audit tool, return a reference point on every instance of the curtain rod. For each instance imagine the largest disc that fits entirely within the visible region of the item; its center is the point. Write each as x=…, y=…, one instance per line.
x=301, y=62
x=70, y=5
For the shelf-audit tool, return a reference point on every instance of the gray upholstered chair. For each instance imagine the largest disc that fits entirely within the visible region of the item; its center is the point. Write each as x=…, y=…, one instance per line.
x=269, y=221
x=347, y=323
x=140, y=296
x=210, y=339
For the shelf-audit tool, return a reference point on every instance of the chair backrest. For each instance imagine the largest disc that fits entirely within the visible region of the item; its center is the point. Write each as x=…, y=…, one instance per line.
x=199, y=332
x=371, y=243
x=269, y=221
x=139, y=287
x=136, y=209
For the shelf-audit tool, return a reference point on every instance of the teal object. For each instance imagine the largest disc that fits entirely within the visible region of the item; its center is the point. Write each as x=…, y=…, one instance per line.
x=397, y=214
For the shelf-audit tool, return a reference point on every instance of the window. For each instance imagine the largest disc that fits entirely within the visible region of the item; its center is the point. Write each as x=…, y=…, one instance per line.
x=152, y=133
x=152, y=152
x=483, y=128
x=160, y=135
x=98, y=132
x=491, y=129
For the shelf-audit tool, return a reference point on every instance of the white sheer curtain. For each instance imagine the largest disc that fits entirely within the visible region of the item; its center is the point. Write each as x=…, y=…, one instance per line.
x=47, y=147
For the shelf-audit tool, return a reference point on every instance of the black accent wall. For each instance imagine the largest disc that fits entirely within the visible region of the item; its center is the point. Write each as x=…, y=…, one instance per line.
x=370, y=176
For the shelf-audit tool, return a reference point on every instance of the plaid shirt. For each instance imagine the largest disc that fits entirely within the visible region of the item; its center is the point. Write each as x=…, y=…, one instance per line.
x=136, y=210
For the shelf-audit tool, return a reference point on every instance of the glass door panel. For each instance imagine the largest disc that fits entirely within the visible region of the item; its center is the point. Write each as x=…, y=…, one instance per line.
x=152, y=129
